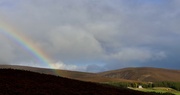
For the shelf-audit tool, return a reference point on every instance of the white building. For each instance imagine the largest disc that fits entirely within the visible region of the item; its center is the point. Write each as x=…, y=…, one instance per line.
x=140, y=86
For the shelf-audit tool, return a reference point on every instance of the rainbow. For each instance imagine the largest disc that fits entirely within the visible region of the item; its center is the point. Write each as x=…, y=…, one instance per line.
x=13, y=34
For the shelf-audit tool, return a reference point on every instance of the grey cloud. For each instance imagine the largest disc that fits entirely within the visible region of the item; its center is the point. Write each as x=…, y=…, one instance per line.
x=6, y=52
x=118, y=32
x=74, y=43
x=132, y=54
x=95, y=68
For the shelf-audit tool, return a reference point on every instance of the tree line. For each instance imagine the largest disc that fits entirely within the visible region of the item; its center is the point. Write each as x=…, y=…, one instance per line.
x=173, y=85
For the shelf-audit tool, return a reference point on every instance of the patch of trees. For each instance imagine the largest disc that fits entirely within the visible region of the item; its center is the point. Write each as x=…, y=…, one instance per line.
x=146, y=85
x=124, y=84
x=173, y=85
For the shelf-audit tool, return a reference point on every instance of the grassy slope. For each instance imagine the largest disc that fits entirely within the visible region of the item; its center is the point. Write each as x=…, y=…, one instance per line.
x=83, y=76
x=144, y=74
x=158, y=89
x=123, y=75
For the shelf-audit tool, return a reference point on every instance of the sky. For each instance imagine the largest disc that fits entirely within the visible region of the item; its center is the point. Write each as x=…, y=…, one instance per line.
x=94, y=35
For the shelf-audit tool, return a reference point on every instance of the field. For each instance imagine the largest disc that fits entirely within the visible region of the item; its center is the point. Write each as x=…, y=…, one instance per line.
x=158, y=89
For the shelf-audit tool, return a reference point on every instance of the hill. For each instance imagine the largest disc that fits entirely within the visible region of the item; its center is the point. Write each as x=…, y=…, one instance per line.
x=83, y=76
x=142, y=74
x=18, y=82
x=145, y=74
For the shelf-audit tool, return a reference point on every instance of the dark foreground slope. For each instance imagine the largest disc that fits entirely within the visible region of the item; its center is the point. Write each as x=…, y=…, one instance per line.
x=145, y=74
x=17, y=82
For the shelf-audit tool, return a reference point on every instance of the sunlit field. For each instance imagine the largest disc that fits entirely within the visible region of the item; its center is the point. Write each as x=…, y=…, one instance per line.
x=158, y=89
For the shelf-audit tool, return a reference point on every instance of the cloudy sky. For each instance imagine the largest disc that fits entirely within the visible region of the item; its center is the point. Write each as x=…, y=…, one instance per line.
x=94, y=35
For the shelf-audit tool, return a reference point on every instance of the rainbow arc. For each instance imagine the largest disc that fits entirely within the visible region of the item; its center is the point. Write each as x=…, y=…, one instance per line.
x=27, y=44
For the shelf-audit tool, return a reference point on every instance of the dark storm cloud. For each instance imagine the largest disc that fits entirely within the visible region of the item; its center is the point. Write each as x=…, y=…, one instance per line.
x=80, y=33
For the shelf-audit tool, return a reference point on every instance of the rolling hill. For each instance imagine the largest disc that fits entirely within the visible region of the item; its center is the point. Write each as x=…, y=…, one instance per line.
x=83, y=76
x=141, y=74
x=21, y=82
x=145, y=74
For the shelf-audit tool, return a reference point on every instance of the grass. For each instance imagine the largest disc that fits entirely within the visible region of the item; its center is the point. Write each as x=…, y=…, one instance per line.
x=158, y=89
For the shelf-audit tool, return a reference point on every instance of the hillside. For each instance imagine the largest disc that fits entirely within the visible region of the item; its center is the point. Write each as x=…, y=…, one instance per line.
x=18, y=82
x=83, y=76
x=145, y=74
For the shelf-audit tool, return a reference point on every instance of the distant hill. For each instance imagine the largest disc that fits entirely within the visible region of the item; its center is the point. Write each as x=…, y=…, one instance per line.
x=19, y=82
x=83, y=76
x=145, y=74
